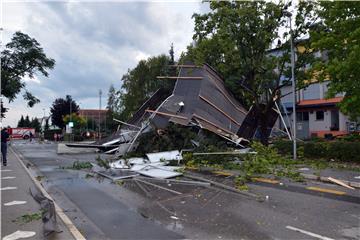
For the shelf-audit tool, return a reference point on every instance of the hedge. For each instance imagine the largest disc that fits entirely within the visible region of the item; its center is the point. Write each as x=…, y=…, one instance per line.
x=338, y=150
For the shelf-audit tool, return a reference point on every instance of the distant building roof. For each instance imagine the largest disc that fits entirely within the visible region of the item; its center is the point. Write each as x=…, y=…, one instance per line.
x=320, y=102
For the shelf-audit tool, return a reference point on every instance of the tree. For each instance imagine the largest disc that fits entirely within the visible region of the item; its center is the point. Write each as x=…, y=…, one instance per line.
x=62, y=107
x=46, y=127
x=21, y=122
x=35, y=124
x=140, y=83
x=112, y=107
x=235, y=38
x=79, y=121
x=27, y=122
x=22, y=56
x=338, y=35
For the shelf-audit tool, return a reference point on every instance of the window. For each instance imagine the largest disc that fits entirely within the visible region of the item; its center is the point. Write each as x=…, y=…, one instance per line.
x=319, y=115
x=302, y=116
x=305, y=116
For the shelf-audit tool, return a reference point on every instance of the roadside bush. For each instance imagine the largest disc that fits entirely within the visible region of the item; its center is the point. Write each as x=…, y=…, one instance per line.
x=315, y=149
x=337, y=150
x=344, y=151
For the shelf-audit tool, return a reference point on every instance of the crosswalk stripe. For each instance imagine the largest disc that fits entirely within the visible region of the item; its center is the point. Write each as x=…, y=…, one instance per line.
x=19, y=234
x=4, y=178
x=8, y=188
x=14, y=203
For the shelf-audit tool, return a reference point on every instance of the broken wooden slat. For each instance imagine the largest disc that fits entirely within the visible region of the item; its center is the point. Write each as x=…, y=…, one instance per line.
x=213, y=124
x=217, y=108
x=325, y=190
x=183, y=78
x=166, y=114
x=265, y=180
x=228, y=98
x=341, y=183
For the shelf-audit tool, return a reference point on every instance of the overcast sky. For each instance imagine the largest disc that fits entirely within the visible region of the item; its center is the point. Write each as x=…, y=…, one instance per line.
x=94, y=43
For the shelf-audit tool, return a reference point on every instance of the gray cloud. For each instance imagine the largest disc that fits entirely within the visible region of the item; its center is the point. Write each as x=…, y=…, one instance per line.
x=94, y=44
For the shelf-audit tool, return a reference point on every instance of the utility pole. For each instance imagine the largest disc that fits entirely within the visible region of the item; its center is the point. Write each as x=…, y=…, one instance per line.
x=289, y=15
x=100, y=92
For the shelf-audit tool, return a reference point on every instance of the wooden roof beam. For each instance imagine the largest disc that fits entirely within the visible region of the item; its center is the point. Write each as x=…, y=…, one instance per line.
x=183, y=78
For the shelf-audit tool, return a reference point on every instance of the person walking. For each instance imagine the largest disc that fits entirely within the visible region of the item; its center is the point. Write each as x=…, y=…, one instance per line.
x=4, y=139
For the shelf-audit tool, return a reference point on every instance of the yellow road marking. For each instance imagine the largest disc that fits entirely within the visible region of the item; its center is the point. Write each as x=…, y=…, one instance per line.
x=326, y=190
x=223, y=173
x=265, y=180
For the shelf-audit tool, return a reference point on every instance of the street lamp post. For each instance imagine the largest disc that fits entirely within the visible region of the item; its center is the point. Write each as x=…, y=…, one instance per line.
x=100, y=92
x=289, y=15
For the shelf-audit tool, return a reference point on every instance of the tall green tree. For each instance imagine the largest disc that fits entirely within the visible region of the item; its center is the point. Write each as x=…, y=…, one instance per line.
x=113, y=108
x=21, y=122
x=62, y=107
x=46, y=127
x=140, y=83
x=338, y=36
x=22, y=56
x=35, y=124
x=235, y=38
x=27, y=122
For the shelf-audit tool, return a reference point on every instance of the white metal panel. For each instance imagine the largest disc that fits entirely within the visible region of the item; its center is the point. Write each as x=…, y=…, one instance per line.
x=159, y=173
x=169, y=155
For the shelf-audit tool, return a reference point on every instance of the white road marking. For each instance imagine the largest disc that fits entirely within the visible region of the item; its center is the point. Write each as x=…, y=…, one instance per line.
x=4, y=178
x=6, y=170
x=19, y=234
x=309, y=233
x=14, y=203
x=8, y=188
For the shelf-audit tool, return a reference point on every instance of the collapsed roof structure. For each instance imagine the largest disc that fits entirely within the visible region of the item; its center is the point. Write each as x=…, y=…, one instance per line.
x=199, y=98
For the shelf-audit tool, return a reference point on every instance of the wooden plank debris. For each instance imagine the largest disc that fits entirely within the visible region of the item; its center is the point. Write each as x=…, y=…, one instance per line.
x=185, y=66
x=217, y=108
x=166, y=114
x=183, y=78
x=341, y=183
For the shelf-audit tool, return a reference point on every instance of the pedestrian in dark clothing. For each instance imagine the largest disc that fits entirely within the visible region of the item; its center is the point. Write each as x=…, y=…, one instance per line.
x=4, y=138
x=31, y=136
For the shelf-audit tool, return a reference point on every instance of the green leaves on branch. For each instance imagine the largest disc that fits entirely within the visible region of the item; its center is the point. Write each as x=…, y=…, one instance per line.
x=22, y=56
x=338, y=36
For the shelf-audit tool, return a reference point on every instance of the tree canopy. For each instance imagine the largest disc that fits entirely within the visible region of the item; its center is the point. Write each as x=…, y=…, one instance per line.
x=22, y=56
x=79, y=121
x=140, y=83
x=62, y=107
x=338, y=35
x=235, y=38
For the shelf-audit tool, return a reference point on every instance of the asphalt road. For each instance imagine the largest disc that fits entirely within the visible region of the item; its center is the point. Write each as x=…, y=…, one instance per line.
x=102, y=210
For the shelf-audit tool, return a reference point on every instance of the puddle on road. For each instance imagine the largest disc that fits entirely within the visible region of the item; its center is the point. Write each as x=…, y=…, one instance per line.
x=48, y=168
x=174, y=226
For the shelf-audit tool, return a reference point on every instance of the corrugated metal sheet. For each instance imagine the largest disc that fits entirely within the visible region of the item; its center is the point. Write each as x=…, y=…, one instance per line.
x=206, y=99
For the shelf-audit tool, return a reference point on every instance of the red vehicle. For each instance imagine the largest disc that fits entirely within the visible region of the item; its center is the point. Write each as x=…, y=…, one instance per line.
x=21, y=133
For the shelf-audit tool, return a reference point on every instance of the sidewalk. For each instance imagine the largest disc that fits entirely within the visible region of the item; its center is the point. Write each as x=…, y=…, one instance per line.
x=16, y=202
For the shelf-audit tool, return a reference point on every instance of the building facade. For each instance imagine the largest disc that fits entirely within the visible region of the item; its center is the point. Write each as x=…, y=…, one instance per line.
x=95, y=115
x=316, y=116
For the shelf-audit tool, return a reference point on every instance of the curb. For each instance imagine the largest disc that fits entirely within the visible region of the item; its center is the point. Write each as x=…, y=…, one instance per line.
x=66, y=220
x=325, y=179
